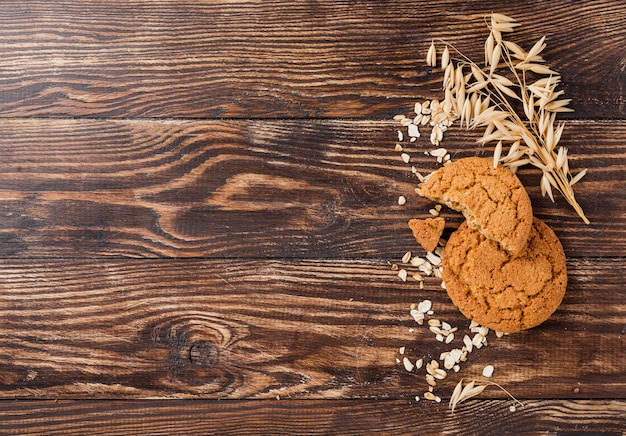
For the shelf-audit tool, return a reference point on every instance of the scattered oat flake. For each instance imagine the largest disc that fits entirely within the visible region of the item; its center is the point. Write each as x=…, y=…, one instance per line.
x=477, y=340
x=440, y=373
x=469, y=346
x=413, y=131
x=439, y=152
x=429, y=396
x=405, y=157
x=424, y=306
x=402, y=274
x=430, y=380
x=401, y=200
x=407, y=257
x=488, y=371
x=405, y=122
x=417, y=261
x=436, y=330
x=419, y=316
x=408, y=365
x=433, y=258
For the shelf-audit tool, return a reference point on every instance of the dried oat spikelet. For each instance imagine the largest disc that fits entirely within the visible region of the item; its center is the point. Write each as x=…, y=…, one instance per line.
x=470, y=390
x=462, y=393
x=485, y=97
x=431, y=56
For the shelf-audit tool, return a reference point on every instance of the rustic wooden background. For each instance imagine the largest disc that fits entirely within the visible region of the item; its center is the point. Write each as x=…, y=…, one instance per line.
x=198, y=213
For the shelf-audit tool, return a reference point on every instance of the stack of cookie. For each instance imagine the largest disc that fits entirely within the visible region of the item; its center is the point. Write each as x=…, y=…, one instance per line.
x=503, y=268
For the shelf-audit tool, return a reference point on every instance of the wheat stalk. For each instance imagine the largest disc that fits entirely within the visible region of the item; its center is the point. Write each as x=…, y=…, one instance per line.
x=483, y=98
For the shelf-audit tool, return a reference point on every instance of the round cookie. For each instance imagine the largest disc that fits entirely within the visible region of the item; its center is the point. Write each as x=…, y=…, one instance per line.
x=493, y=200
x=501, y=291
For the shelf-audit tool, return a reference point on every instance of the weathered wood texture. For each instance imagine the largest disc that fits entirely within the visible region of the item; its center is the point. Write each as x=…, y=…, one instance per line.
x=243, y=153
x=281, y=189
x=280, y=59
x=339, y=417
x=257, y=329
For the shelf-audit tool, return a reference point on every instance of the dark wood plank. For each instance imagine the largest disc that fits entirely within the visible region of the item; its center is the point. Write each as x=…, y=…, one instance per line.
x=280, y=59
x=258, y=329
x=288, y=189
x=558, y=417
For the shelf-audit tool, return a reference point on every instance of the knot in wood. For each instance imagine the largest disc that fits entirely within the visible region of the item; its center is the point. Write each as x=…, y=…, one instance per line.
x=203, y=353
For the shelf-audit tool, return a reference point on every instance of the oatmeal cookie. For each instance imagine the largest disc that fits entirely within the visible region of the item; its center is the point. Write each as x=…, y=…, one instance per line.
x=427, y=232
x=493, y=200
x=502, y=291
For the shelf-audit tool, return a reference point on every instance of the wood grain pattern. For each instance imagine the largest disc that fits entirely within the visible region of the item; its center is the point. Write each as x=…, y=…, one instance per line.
x=242, y=151
x=286, y=189
x=333, y=417
x=257, y=329
x=279, y=59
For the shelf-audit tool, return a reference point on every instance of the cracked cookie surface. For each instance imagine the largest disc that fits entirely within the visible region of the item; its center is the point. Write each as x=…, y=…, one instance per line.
x=501, y=291
x=493, y=200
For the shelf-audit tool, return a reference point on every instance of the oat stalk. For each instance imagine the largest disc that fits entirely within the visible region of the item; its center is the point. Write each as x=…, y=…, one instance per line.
x=482, y=97
x=471, y=389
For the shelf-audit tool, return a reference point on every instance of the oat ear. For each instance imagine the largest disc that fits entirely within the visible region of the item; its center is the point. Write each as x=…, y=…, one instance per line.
x=483, y=98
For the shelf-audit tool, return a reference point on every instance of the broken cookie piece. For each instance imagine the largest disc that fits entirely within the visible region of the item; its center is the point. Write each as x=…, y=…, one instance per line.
x=427, y=232
x=493, y=200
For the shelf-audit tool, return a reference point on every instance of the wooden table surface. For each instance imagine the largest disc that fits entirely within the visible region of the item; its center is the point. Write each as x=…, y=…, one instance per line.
x=198, y=207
